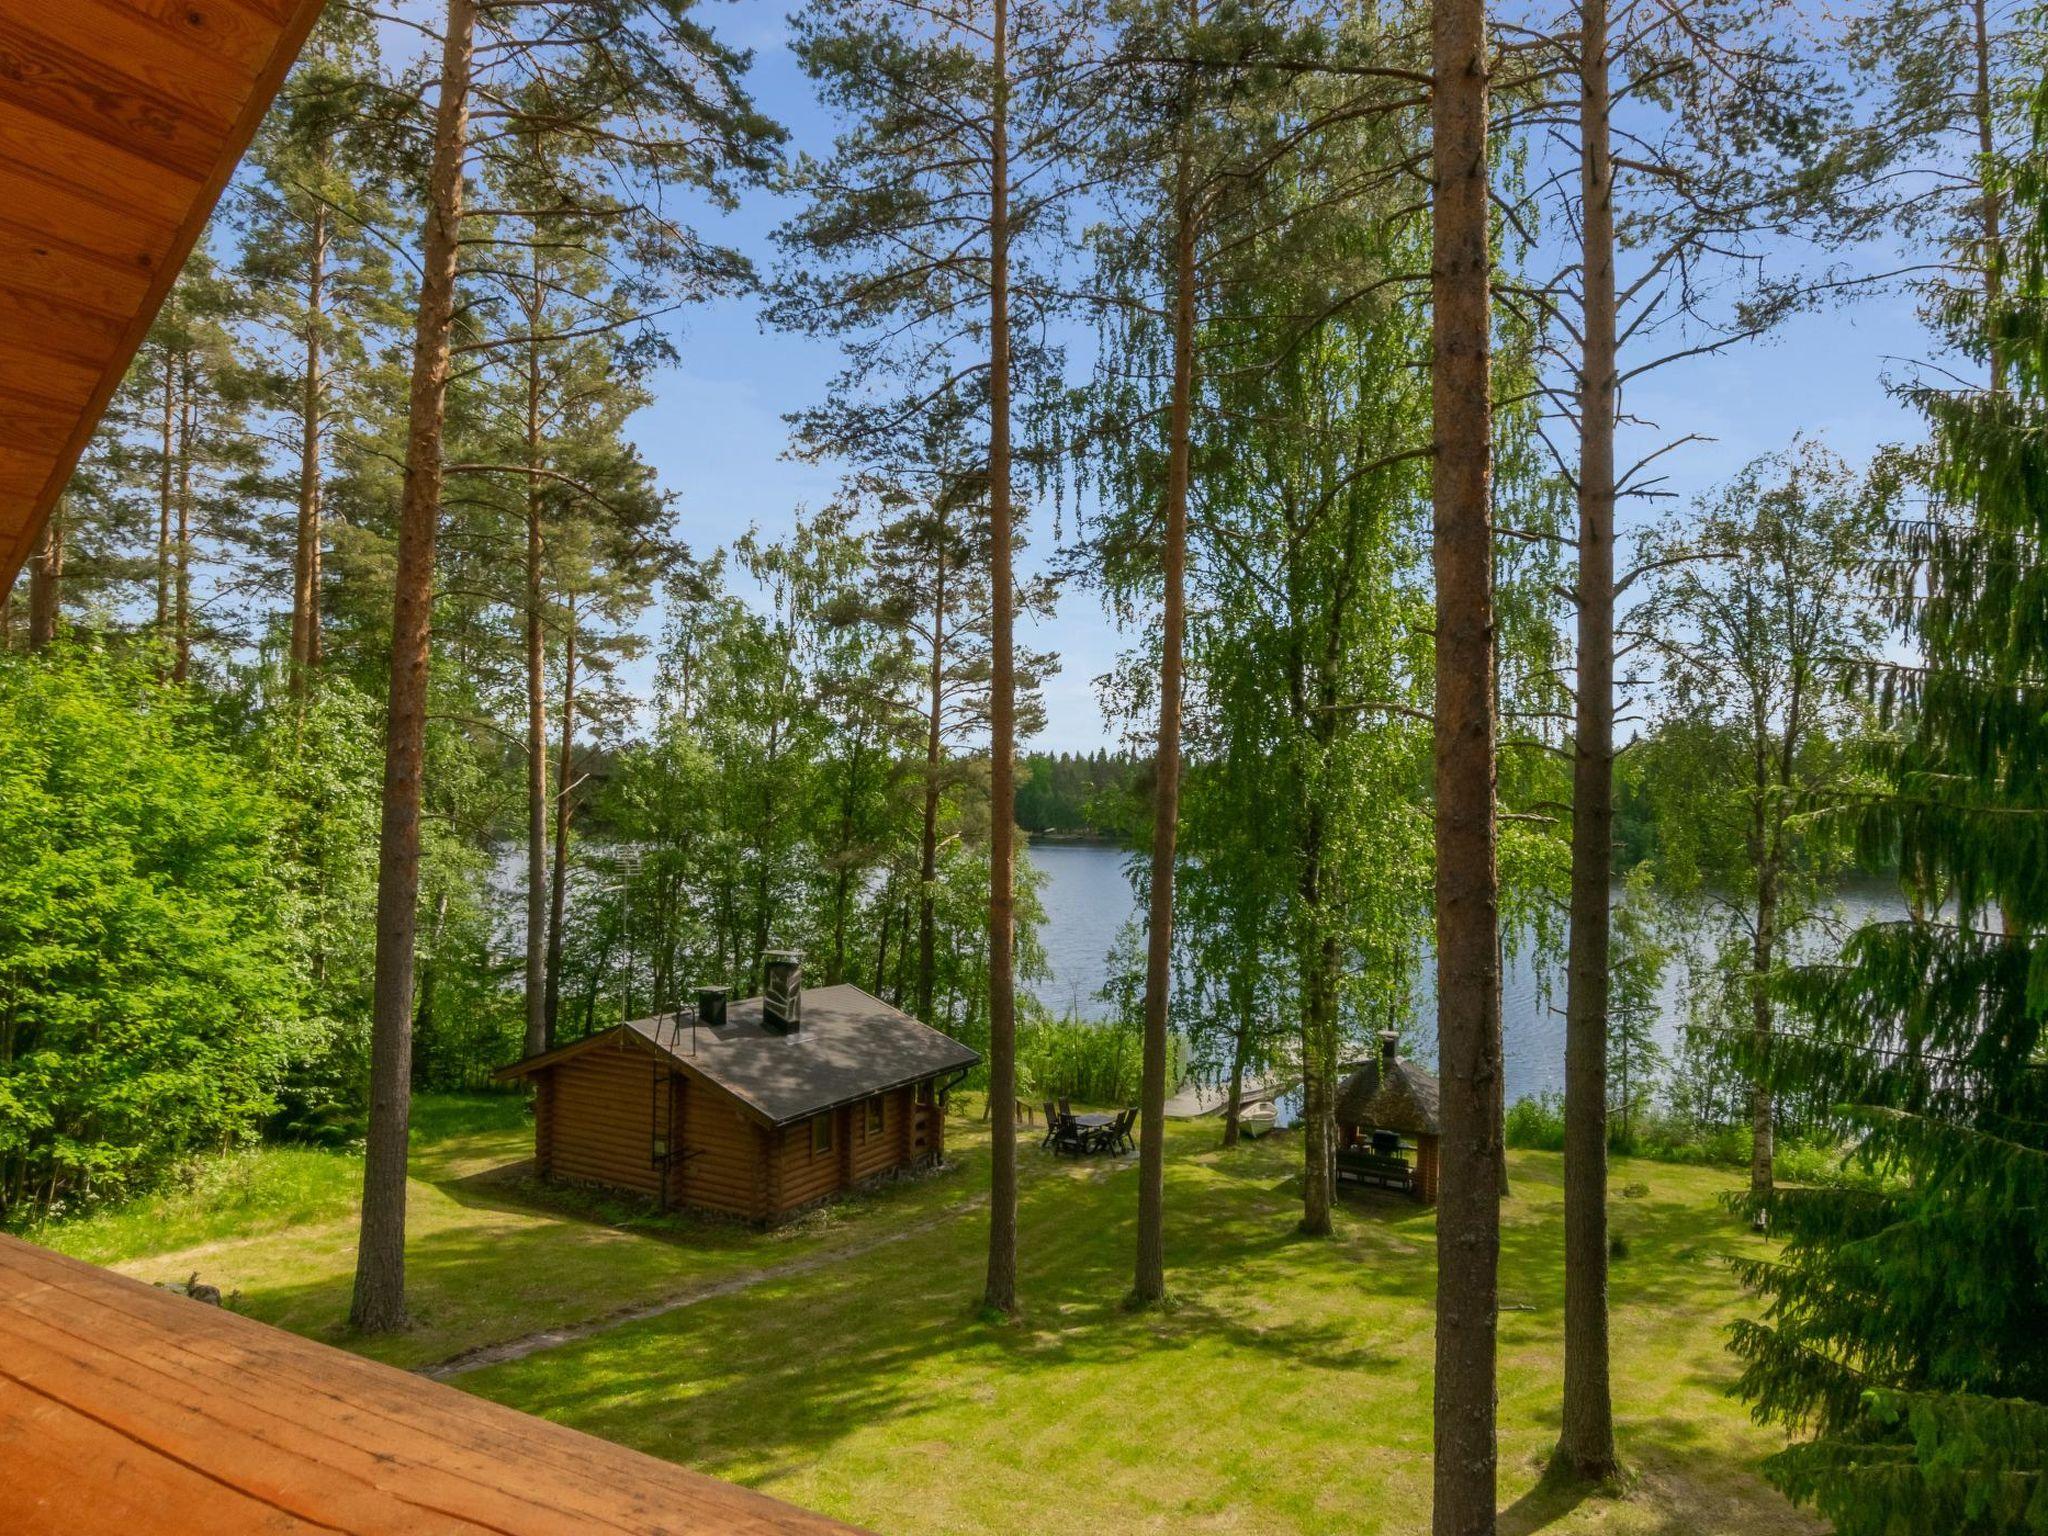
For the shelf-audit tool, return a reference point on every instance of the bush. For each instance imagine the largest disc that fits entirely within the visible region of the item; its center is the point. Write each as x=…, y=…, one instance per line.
x=1095, y=1063
x=146, y=999
x=1537, y=1123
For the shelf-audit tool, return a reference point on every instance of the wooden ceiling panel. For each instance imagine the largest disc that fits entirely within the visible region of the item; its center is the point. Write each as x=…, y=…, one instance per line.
x=156, y=103
x=58, y=269
x=215, y=35
x=120, y=124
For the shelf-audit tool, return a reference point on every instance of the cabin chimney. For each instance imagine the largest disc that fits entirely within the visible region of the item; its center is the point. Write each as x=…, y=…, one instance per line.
x=711, y=1006
x=782, y=989
x=1390, y=1042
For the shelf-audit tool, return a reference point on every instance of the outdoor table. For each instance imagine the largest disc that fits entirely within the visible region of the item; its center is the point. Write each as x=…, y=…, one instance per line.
x=1093, y=1122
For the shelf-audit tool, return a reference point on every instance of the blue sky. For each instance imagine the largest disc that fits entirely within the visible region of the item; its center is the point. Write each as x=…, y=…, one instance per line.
x=717, y=439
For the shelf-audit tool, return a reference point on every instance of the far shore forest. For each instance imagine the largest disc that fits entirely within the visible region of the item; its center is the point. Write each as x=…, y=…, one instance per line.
x=1310, y=345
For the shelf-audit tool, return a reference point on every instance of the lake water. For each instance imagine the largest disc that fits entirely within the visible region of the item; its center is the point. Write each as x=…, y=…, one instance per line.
x=1087, y=898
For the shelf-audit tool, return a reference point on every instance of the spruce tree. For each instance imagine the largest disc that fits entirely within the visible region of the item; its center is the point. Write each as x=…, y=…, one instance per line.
x=1901, y=1329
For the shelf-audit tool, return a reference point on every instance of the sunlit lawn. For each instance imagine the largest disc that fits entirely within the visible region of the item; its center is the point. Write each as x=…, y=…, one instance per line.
x=1287, y=1390
x=489, y=1255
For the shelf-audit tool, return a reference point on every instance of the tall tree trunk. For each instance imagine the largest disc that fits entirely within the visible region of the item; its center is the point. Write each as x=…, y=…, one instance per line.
x=928, y=845
x=1318, y=1169
x=1762, y=1156
x=166, y=469
x=1993, y=207
x=379, y=1301
x=536, y=710
x=1467, y=875
x=306, y=564
x=558, y=896
x=1318, y=1087
x=181, y=622
x=1001, y=1290
x=45, y=582
x=1586, y=1445
x=1233, y=1097
x=1150, y=1282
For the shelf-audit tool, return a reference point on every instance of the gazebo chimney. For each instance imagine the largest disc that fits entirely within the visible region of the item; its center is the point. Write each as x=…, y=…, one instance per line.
x=782, y=989
x=1390, y=1050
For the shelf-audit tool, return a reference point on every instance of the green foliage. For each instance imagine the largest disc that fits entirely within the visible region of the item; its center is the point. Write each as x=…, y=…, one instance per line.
x=146, y=1005
x=1635, y=1057
x=1537, y=1123
x=1074, y=1059
x=1072, y=793
x=775, y=805
x=322, y=764
x=1901, y=1329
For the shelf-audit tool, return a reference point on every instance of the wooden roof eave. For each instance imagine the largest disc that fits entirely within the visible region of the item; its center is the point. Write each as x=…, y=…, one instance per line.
x=120, y=126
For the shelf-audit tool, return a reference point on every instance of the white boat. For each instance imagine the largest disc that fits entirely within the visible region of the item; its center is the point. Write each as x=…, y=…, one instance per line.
x=1256, y=1119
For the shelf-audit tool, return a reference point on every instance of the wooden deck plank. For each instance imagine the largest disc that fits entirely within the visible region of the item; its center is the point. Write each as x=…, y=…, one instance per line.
x=211, y=1421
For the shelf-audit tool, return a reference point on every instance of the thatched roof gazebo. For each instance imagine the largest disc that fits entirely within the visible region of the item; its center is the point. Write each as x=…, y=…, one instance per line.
x=1388, y=1109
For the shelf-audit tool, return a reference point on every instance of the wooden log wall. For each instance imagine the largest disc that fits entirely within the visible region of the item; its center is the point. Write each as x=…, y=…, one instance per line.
x=601, y=1119
x=722, y=1153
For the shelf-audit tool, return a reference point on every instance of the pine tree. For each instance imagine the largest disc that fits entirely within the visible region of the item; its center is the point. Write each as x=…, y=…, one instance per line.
x=1467, y=874
x=315, y=224
x=630, y=94
x=1901, y=1327
x=911, y=247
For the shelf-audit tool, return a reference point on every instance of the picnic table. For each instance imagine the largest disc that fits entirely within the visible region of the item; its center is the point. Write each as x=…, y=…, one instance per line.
x=1088, y=1133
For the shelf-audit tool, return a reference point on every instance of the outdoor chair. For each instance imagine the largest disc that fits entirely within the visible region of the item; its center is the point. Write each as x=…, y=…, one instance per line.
x=1120, y=1134
x=1070, y=1138
x=1052, y=1124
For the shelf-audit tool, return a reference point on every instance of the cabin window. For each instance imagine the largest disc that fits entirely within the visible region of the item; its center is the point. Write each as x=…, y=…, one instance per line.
x=821, y=1133
x=924, y=1092
x=874, y=1117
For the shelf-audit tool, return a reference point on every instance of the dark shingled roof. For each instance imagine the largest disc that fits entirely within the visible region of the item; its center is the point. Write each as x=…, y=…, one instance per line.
x=1356, y=1093
x=1404, y=1099
x=851, y=1045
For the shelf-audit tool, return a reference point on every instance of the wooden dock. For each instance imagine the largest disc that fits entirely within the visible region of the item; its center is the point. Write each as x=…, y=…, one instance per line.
x=127, y=1409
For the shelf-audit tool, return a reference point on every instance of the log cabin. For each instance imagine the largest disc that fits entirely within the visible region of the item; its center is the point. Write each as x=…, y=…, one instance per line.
x=758, y=1108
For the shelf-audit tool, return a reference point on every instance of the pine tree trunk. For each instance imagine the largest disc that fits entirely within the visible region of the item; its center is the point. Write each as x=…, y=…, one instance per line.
x=558, y=896
x=1991, y=204
x=1586, y=1445
x=1467, y=875
x=166, y=459
x=1150, y=1282
x=45, y=583
x=536, y=718
x=928, y=844
x=379, y=1301
x=306, y=564
x=1001, y=1290
x=181, y=549
x=1762, y=1156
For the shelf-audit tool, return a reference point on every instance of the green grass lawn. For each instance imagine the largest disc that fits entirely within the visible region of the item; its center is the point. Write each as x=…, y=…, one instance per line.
x=1287, y=1389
